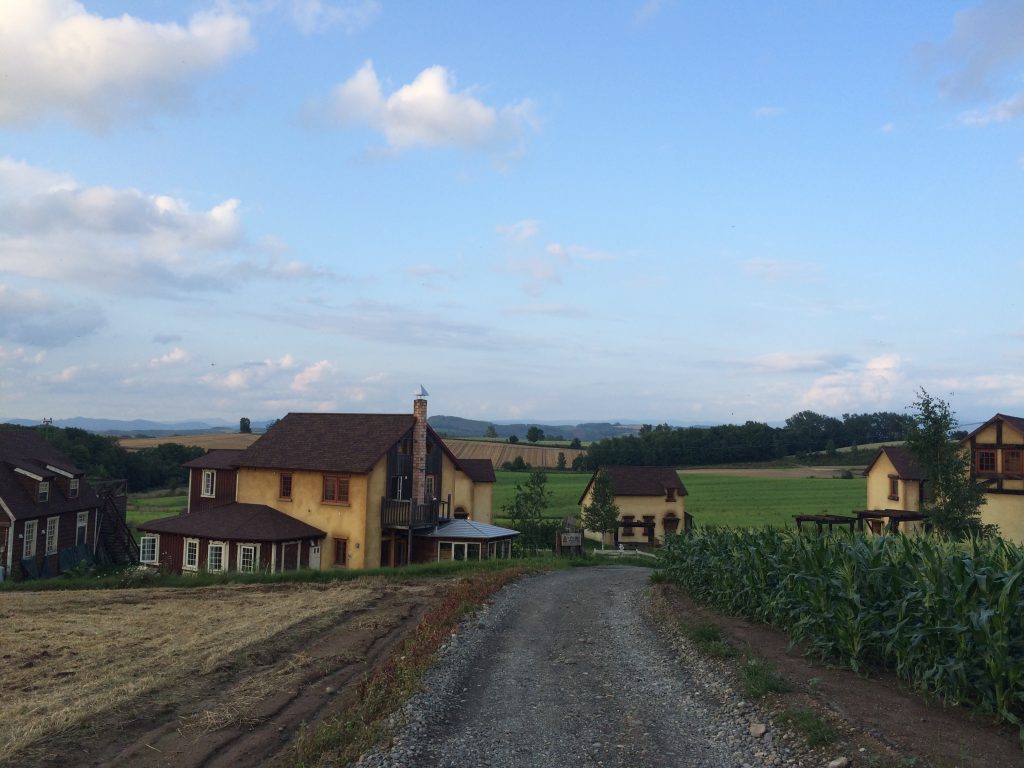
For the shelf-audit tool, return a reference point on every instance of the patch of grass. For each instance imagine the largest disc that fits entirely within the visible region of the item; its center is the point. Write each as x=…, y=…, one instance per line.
x=566, y=489
x=709, y=640
x=810, y=725
x=760, y=679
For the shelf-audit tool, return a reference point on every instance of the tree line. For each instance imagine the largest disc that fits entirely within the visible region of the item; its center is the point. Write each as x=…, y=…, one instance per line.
x=804, y=433
x=101, y=458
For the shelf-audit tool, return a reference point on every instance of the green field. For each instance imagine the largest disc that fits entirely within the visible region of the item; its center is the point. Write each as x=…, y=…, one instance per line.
x=142, y=509
x=716, y=499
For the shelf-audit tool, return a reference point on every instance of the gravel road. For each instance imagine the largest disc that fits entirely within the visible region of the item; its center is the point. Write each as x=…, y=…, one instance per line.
x=565, y=669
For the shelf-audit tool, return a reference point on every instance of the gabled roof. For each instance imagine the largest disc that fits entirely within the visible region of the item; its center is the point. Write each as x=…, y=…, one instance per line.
x=639, y=481
x=469, y=529
x=26, y=449
x=1017, y=422
x=235, y=522
x=216, y=458
x=478, y=470
x=902, y=460
x=327, y=442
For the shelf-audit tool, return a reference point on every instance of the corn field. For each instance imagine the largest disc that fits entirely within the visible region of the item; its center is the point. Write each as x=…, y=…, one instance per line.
x=946, y=616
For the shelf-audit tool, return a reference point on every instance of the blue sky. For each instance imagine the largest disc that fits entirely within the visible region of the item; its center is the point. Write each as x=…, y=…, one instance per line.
x=683, y=211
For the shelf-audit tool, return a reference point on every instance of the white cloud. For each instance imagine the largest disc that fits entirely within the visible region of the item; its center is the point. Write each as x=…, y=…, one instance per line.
x=780, y=269
x=768, y=112
x=20, y=355
x=872, y=385
x=314, y=16
x=570, y=253
x=311, y=375
x=175, y=356
x=111, y=240
x=92, y=69
x=428, y=112
x=520, y=231
x=243, y=377
x=888, y=127
x=41, y=319
x=1007, y=109
x=647, y=12
x=549, y=310
x=790, y=362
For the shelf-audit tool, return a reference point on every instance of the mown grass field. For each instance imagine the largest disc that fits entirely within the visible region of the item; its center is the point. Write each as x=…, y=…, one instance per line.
x=142, y=509
x=736, y=499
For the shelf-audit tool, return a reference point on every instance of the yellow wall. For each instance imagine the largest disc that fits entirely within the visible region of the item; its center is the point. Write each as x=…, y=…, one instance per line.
x=475, y=498
x=1006, y=511
x=348, y=521
x=878, y=488
x=483, y=503
x=638, y=506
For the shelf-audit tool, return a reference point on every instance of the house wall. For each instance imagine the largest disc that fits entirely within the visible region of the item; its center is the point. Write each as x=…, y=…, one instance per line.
x=878, y=488
x=172, y=553
x=1004, y=505
x=638, y=506
x=67, y=529
x=483, y=502
x=223, y=489
x=367, y=554
x=342, y=521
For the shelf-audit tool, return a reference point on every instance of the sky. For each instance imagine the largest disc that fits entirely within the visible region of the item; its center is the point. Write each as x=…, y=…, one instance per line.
x=660, y=210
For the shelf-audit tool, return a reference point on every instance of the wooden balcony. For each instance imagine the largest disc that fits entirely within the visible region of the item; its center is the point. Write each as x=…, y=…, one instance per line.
x=405, y=514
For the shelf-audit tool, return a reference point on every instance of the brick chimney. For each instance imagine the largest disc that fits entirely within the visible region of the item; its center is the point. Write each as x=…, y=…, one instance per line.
x=419, y=447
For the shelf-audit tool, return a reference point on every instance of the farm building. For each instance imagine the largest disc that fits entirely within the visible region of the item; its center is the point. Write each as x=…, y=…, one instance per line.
x=896, y=487
x=370, y=489
x=651, y=502
x=997, y=459
x=51, y=517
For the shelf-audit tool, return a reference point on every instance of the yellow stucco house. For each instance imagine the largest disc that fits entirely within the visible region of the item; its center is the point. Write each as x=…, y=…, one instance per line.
x=651, y=502
x=326, y=490
x=895, y=488
x=997, y=458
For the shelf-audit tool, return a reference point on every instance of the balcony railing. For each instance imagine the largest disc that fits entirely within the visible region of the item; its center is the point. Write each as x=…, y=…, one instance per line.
x=402, y=513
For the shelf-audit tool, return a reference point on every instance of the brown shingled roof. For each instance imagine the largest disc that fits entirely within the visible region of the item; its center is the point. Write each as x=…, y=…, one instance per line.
x=235, y=522
x=327, y=442
x=902, y=459
x=478, y=470
x=216, y=458
x=29, y=450
x=639, y=481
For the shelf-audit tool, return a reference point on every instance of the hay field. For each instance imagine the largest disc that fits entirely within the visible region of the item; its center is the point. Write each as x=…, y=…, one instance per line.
x=499, y=453
x=216, y=440
x=71, y=657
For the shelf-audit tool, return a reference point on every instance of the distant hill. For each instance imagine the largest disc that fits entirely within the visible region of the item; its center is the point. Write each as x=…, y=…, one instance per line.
x=139, y=426
x=455, y=426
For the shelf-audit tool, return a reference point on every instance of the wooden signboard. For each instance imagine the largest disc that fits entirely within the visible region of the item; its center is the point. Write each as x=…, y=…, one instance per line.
x=569, y=538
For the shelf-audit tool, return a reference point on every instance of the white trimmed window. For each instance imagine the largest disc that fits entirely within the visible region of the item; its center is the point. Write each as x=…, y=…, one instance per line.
x=29, y=541
x=209, y=483
x=247, y=557
x=190, y=561
x=216, y=557
x=52, y=524
x=44, y=491
x=73, y=488
x=149, y=550
x=82, y=528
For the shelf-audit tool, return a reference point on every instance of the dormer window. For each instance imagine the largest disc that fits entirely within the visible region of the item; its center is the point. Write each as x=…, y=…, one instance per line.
x=44, y=491
x=670, y=494
x=209, y=483
x=73, y=488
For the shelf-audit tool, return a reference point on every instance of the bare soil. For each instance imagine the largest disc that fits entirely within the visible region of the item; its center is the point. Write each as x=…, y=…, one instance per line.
x=877, y=713
x=212, y=676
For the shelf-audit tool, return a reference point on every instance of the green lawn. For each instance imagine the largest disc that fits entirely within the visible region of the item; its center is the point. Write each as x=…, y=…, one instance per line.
x=142, y=509
x=715, y=499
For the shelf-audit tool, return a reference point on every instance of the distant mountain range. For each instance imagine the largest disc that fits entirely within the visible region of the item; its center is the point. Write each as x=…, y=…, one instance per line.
x=454, y=426
x=138, y=427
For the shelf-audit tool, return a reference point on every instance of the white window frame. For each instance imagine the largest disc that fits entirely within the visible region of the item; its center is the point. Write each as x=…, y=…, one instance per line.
x=43, y=493
x=73, y=485
x=209, y=484
x=223, y=545
x=52, y=533
x=28, y=544
x=155, y=538
x=255, y=557
x=82, y=524
x=194, y=566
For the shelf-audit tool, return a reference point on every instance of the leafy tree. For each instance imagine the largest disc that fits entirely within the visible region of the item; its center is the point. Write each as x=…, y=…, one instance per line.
x=954, y=498
x=576, y=443
x=602, y=514
x=535, y=433
x=526, y=508
x=561, y=461
x=490, y=431
x=244, y=425
x=513, y=439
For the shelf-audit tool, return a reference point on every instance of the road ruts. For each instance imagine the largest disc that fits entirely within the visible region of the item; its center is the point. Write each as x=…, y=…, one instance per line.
x=564, y=670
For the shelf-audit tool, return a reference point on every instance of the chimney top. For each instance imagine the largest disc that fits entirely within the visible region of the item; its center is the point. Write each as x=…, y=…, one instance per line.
x=421, y=392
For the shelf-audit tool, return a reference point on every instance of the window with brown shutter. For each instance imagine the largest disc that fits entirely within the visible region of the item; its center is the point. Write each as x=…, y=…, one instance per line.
x=335, y=489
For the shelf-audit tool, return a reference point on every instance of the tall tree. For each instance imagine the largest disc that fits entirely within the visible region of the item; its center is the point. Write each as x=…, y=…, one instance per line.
x=533, y=434
x=526, y=508
x=954, y=497
x=491, y=431
x=244, y=425
x=602, y=513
